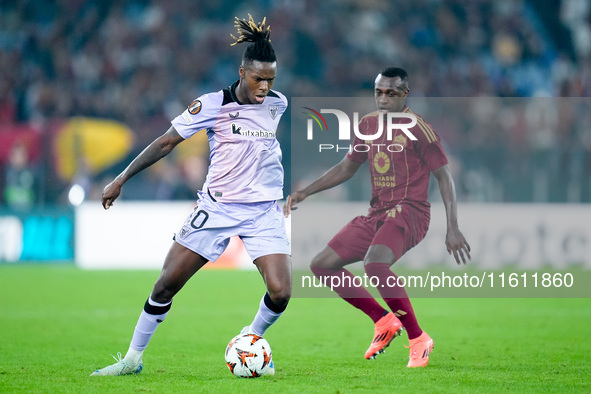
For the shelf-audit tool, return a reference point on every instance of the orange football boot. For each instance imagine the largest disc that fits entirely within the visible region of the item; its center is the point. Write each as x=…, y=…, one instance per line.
x=387, y=328
x=420, y=348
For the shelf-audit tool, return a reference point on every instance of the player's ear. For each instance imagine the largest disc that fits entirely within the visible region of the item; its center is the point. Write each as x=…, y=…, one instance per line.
x=241, y=71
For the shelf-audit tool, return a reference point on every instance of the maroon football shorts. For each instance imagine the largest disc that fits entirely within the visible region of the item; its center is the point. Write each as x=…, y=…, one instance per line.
x=400, y=229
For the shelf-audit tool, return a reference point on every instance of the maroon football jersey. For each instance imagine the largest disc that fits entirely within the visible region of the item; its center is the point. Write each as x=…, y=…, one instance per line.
x=398, y=175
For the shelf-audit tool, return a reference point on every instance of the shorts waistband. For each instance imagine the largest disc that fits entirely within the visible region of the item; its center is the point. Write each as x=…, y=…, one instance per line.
x=208, y=192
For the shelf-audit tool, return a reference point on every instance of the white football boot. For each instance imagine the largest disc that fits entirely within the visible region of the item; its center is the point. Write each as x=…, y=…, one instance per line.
x=121, y=367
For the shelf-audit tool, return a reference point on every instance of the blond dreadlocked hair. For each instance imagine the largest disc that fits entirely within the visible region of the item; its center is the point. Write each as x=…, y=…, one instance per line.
x=258, y=35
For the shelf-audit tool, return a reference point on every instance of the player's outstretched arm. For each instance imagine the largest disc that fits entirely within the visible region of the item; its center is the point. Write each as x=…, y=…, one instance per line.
x=336, y=175
x=454, y=240
x=159, y=148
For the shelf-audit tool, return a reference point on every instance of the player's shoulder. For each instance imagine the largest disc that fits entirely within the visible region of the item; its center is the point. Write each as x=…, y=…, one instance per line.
x=275, y=95
x=212, y=98
x=203, y=107
x=419, y=117
x=370, y=116
x=369, y=121
x=422, y=127
x=206, y=103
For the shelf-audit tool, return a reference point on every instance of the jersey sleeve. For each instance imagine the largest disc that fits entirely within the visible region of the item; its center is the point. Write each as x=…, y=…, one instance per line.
x=284, y=102
x=201, y=114
x=428, y=145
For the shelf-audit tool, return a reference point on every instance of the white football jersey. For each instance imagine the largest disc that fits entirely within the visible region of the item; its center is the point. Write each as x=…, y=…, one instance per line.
x=244, y=155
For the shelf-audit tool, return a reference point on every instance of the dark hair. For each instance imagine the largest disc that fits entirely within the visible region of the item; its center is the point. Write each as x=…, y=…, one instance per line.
x=260, y=48
x=392, y=72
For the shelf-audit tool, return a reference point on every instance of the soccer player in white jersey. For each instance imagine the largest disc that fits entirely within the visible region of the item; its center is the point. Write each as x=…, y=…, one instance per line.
x=244, y=181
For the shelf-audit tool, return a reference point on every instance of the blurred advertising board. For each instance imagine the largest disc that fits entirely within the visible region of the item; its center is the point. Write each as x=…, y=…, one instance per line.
x=528, y=236
x=137, y=235
x=40, y=235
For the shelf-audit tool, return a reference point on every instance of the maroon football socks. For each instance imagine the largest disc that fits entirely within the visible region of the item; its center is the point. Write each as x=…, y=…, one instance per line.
x=342, y=282
x=395, y=297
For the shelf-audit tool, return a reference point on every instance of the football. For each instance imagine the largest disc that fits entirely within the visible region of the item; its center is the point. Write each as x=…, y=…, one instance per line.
x=249, y=356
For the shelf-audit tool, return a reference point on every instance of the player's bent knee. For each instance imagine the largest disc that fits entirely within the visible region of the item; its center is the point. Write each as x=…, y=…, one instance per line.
x=379, y=254
x=317, y=262
x=327, y=259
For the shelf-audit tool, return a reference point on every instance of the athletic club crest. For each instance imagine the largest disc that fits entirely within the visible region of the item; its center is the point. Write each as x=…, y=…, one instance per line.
x=273, y=109
x=184, y=231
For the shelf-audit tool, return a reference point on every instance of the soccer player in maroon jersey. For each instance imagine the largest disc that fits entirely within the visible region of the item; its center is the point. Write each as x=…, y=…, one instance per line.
x=397, y=220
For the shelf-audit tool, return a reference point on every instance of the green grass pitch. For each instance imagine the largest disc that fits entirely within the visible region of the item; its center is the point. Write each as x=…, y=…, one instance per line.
x=58, y=324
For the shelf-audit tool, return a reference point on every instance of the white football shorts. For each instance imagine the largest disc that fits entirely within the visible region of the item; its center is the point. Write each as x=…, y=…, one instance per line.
x=208, y=229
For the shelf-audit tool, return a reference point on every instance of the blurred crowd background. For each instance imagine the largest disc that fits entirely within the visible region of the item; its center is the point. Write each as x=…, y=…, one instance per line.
x=140, y=63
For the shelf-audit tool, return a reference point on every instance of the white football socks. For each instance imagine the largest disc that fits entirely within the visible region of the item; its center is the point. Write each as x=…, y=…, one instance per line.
x=264, y=319
x=153, y=314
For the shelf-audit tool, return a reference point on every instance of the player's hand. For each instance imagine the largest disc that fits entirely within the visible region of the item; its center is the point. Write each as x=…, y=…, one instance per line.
x=457, y=245
x=292, y=200
x=110, y=193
